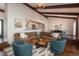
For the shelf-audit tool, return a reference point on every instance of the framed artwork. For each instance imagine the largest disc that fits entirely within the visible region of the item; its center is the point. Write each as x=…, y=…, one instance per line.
x=18, y=23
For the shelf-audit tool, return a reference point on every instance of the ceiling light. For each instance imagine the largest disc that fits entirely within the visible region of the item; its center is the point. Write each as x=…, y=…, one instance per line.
x=39, y=5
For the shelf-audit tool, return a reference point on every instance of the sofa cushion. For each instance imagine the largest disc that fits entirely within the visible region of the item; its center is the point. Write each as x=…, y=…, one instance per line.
x=31, y=40
x=45, y=34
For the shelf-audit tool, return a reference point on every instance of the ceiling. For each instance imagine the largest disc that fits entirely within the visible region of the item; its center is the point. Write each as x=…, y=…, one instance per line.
x=2, y=7
x=47, y=4
x=57, y=10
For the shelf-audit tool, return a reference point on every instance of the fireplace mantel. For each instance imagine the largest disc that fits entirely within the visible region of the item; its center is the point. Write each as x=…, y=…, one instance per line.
x=23, y=31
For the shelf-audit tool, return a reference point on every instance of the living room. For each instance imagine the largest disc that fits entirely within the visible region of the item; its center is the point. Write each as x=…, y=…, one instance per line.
x=22, y=18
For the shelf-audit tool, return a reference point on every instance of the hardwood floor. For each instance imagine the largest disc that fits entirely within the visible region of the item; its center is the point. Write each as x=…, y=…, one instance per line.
x=72, y=48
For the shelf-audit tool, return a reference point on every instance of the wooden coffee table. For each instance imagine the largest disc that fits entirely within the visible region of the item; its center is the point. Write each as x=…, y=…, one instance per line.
x=41, y=43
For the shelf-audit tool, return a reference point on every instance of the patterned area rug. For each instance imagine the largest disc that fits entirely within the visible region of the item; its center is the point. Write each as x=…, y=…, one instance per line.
x=41, y=51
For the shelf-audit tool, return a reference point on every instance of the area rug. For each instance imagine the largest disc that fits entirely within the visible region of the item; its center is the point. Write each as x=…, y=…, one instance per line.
x=41, y=51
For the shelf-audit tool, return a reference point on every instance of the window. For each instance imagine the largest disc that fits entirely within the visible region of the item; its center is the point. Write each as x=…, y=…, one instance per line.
x=74, y=27
x=75, y=31
x=1, y=28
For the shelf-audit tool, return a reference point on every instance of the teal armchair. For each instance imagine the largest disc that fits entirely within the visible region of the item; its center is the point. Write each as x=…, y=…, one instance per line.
x=57, y=46
x=22, y=49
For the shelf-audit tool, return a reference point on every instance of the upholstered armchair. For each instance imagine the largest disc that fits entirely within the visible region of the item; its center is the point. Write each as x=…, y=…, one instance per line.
x=57, y=46
x=22, y=49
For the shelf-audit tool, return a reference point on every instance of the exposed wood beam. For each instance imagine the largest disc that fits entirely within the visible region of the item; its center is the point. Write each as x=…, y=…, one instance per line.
x=34, y=9
x=63, y=6
x=62, y=17
x=2, y=10
x=61, y=13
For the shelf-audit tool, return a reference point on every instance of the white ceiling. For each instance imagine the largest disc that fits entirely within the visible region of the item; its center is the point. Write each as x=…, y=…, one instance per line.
x=2, y=6
x=60, y=10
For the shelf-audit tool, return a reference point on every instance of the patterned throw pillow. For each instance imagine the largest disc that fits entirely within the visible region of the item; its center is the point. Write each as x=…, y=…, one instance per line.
x=56, y=35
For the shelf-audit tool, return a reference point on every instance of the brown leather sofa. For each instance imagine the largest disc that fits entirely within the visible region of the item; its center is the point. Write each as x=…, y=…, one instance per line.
x=32, y=37
x=46, y=35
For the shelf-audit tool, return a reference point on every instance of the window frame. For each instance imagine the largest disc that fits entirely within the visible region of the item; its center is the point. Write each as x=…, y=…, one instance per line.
x=1, y=36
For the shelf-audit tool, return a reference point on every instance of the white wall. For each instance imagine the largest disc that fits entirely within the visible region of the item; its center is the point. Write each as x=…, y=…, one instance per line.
x=20, y=11
x=2, y=16
x=67, y=24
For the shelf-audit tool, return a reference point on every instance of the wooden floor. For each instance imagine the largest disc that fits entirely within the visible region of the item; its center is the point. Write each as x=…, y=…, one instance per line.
x=71, y=49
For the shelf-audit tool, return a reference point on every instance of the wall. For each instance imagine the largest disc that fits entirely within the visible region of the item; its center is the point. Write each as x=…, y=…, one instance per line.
x=67, y=24
x=2, y=16
x=22, y=12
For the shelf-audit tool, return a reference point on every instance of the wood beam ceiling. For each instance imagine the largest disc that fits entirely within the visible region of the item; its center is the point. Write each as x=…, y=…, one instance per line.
x=34, y=9
x=61, y=13
x=57, y=13
x=62, y=17
x=62, y=6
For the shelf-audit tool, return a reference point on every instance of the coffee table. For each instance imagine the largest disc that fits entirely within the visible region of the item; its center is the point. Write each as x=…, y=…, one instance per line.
x=41, y=43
